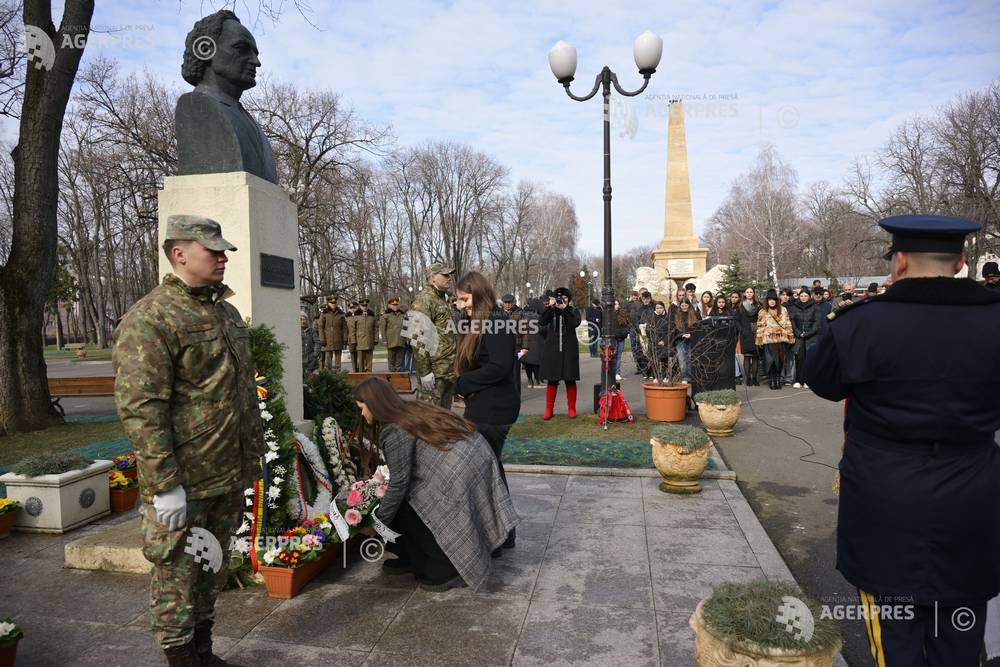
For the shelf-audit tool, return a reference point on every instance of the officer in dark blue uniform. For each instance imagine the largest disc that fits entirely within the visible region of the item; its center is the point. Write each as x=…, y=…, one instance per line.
x=919, y=516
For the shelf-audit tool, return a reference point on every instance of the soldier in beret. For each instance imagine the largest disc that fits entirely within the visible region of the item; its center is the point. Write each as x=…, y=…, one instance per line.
x=919, y=513
x=186, y=396
x=991, y=274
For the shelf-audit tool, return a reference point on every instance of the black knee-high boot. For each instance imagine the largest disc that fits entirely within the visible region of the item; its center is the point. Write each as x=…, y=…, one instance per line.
x=748, y=370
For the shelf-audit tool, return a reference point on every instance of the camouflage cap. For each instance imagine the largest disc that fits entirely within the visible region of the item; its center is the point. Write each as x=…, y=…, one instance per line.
x=196, y=228
x=439, y=267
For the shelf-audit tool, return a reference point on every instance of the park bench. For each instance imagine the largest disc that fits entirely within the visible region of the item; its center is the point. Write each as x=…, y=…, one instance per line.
x=81, y=350
x=399, y=381
x=82, y=387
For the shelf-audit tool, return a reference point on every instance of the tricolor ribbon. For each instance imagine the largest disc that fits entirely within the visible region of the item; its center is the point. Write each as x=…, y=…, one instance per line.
x=259, y=503
x=260, y=381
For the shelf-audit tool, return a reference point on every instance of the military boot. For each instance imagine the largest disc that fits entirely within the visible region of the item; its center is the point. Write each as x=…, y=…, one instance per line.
x=203, y=645
x=182, y=656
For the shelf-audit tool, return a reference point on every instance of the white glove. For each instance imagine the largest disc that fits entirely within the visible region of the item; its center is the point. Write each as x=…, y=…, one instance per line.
x=171, y=508
x=427, y=381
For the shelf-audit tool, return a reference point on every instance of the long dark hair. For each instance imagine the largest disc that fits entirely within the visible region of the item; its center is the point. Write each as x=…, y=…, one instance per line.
x=431, y=423
x=682, y=321
x=484, y=301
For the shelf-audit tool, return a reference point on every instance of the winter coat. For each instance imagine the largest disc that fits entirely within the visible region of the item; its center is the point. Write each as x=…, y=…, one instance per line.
x=774, y=328
x=534, y=337
x=746, y=320
x=561, y=356
x=620, y=325
x=660, y=331
x=310, y=350
x=390, y=328
x=458, y=493
x=805, y=320
x=333, y=329
x=492, y=390
x=365, y=327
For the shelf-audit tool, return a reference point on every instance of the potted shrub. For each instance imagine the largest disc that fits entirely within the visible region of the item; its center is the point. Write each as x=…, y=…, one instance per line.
x=124, y=491
x=762, y=623
x=719, y=411
x=126, y=465
x=680, y=454
x=58, y=491
x=666, y=394
x=8, y=506
x=10, y=634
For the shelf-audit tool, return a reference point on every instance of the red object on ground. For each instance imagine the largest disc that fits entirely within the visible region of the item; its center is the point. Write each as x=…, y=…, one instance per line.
x=618, y=411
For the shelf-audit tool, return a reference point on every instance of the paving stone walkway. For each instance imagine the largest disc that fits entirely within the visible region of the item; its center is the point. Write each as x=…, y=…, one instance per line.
x=607, y=571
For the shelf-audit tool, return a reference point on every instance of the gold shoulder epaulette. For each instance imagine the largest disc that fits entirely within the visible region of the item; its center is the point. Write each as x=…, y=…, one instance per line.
x=852, y=304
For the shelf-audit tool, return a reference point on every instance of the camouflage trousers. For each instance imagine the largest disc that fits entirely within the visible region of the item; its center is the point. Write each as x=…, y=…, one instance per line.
x=182, y=592
x=442, y=393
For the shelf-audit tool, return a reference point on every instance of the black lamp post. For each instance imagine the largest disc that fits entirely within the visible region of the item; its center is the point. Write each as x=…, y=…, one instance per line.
x=562, y=59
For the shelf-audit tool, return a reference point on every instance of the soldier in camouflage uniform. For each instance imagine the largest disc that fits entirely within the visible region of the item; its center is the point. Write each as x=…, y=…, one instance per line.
x=391, y=330
x=187, y=400
x=436, y=363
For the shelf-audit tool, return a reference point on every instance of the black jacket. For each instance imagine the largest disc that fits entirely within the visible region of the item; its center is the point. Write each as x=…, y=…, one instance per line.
x=560, y=356
x=746, y=320
x=919, y=511
x=492, y=391
x=805, y=319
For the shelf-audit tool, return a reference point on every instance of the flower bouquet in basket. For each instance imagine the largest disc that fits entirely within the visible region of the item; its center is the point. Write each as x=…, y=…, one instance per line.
x=10, y=634
x=8, y=507
x=126, y=465
x=363, y=497
x=124, y=491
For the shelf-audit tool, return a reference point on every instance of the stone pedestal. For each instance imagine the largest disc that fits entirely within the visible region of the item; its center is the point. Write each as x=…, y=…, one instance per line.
x=260, y=220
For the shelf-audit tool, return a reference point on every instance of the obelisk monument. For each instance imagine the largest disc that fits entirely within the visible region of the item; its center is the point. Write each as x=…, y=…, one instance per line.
x=679, y=257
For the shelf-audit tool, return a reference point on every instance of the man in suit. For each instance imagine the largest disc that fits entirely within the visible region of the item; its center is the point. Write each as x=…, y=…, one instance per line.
x=919, y=513
x=215, y=134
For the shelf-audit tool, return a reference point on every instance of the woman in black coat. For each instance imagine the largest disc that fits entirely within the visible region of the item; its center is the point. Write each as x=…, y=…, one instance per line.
x=486, y=365
x=533, y=340
x=561, y=356
x=746, y=320
x=806, y=324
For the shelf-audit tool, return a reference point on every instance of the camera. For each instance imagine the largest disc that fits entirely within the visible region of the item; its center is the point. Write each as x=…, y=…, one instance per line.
x=560, y=300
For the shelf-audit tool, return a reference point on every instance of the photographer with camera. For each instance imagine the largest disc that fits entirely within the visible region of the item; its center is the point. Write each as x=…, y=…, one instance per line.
x=560, y=356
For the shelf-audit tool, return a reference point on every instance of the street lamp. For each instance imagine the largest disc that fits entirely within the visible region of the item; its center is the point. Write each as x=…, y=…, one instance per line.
x=647, y=51
x=530, y=291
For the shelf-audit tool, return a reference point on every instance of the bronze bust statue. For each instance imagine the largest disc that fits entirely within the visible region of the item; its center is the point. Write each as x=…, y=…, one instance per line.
x=215, y=134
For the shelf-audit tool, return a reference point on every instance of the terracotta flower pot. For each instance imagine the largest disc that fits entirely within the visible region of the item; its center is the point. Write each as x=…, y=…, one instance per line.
x=6, y=521
x=666, y=403
x=122, y=500
x=711, y=651
x=7, y=654
x=680, y=468
x=719, y=419
x=286, y=582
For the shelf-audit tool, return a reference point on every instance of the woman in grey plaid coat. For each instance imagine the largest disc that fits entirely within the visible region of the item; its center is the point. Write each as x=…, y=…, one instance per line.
x=445, y=496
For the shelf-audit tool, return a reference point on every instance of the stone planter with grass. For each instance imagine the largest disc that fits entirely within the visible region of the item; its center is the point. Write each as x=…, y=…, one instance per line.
x=58, y=492
x=719, y=411
x=762, y=623
x=680, y=454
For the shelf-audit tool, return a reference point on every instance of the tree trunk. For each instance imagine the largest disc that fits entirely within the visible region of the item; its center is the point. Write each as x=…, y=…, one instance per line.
x=26, y=278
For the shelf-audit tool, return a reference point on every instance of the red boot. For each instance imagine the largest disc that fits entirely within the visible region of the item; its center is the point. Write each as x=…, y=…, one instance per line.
x=571, y=399
x=550, y=400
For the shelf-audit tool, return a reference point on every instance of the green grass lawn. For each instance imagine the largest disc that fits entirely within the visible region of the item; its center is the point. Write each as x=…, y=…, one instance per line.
x=93, y=353
x=72, y=434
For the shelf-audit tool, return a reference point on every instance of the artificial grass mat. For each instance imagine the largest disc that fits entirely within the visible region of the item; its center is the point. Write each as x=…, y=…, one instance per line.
x=581, y=442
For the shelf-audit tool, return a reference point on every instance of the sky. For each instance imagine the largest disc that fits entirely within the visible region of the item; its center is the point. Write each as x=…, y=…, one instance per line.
x=822, y=81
